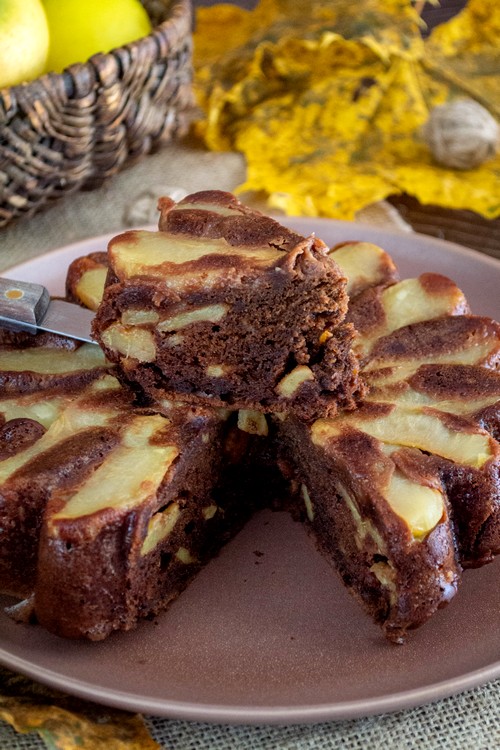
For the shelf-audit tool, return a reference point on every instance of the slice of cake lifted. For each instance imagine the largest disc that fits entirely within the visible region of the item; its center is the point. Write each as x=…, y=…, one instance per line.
x=403, y=493
x=225, y=307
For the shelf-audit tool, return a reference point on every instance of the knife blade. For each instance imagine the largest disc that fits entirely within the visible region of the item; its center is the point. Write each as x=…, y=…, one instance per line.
x=28, y=307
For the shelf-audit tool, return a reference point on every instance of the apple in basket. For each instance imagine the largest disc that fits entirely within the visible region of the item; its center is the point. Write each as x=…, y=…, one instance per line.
x=38, y=37
x=24, y=41
x=80, y=28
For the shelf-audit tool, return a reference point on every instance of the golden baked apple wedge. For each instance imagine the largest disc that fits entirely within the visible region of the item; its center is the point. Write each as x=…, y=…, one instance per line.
x=85, y=279
x=365, y=265
x=378, y=311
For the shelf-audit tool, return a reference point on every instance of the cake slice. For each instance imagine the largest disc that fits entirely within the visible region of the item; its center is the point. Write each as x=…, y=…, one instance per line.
x=225, y=307
x=402, y=493
x=441, y=366
x=379, y=516
x=108, y=509
x=39, y=377
x=38, y=459
x=119, y=544
x=466, y=400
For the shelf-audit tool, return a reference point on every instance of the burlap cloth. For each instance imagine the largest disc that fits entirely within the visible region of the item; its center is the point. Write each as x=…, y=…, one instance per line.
x=470, y=721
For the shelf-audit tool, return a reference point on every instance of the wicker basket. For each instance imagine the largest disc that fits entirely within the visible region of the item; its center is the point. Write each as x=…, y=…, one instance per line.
x=70, y=131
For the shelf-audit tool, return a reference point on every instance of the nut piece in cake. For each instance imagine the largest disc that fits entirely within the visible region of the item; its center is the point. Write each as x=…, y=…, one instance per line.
x=225, y=307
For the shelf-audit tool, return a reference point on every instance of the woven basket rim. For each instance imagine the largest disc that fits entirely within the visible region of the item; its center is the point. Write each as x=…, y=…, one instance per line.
x=178, y=24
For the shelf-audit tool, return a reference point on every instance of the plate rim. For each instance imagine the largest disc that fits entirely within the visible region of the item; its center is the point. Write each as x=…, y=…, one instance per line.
x=254, y=715
x=240, y=714
x=308, y=221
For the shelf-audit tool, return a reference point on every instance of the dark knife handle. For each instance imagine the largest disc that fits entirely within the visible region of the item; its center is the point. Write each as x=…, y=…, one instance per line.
x=22, y=302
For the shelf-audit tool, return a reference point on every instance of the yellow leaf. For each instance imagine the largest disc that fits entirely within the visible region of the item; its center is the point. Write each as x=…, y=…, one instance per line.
x=328, y=108
x=465, y=52
x=66, y=723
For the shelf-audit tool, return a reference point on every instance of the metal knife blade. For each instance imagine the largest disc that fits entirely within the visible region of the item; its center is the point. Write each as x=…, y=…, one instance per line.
x=28, y=307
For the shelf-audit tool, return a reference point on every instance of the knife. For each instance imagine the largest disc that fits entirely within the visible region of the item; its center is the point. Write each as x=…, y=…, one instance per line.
x=28, y=307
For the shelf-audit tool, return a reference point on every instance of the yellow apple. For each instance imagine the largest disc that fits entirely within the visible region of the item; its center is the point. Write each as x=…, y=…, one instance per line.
x=24, y=41
x=81, y=28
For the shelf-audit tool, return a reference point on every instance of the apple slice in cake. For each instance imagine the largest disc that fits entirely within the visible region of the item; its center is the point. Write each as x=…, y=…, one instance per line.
x=86, y=278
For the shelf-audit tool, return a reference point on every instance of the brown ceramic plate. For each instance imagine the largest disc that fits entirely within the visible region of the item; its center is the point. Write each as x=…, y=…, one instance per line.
x=266, y=633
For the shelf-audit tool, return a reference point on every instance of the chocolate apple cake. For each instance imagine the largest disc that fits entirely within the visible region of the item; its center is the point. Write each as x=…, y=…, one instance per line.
x=225, y=307
x=116, y=496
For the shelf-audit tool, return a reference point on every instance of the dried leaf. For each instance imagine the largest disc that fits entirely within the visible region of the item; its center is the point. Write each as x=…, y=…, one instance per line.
x=465, y=53
x=66, y=723
x=328, y=109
